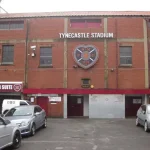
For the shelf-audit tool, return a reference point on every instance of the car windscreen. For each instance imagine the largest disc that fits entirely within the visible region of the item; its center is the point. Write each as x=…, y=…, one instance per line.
x=20, y=111
x=29, y=102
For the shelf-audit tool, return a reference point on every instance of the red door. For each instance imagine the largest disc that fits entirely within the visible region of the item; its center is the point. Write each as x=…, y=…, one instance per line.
x=131, y=106
x=75, y=106
x=43, y=102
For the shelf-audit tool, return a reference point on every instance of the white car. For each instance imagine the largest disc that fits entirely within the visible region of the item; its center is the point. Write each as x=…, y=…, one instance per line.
x=10, y=103
x=143, y=117
x=9, y=134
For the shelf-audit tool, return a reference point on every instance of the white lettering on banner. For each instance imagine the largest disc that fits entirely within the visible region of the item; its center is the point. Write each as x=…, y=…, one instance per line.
x=6, y=87
x=86, y=35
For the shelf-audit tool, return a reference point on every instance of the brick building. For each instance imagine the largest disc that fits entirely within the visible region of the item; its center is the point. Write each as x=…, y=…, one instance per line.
x=87, y=64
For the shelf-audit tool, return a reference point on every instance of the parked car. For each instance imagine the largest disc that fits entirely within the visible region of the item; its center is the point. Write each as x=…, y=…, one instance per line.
x=9, y=134
x=10, y=103
x=143, y=117
x=28, y=118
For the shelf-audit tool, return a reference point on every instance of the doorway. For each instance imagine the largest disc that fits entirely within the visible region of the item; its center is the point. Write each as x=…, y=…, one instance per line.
x=43, y=103
x=132, y=104
x=75, y=106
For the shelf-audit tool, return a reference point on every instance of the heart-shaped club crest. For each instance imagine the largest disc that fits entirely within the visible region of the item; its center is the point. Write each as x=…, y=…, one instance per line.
x=85, y=55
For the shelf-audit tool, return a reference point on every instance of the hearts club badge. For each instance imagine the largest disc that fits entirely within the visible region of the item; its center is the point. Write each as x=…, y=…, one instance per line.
x=85, y=55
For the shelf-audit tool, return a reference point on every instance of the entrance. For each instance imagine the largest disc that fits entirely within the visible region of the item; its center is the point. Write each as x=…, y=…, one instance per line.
x=75, y=106
x=132, y=104
x=43, y=103
x=2, y=97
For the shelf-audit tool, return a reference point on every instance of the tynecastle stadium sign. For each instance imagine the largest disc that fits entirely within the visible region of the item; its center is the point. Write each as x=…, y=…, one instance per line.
x=86, y=35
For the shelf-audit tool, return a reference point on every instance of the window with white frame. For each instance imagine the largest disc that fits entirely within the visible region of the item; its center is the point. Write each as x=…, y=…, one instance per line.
x=45, y=56
x=125, y=55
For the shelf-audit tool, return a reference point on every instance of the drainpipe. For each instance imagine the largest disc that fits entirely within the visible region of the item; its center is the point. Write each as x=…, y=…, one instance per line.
x=26, y=55
x=117, y=51
x=147, y=20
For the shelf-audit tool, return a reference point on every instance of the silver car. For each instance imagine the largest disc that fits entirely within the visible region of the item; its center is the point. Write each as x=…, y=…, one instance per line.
x=143, y=117
x=28, y=118
x=9, y=134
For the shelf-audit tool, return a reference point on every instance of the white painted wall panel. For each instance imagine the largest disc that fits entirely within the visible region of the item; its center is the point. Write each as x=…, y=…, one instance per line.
x=86, y=106
x=106, y=106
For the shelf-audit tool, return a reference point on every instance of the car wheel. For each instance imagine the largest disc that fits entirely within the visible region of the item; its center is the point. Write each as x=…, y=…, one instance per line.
x=146, y=127
x=33, y=130
x=16, y=140
x=45, y=123
x=137, y=121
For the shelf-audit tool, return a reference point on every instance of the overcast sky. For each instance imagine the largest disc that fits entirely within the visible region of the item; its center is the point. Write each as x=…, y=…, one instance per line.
x=15, y=6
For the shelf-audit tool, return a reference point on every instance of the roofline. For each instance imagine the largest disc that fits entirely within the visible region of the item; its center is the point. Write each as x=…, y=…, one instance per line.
x=138, y=16
x=76, y=14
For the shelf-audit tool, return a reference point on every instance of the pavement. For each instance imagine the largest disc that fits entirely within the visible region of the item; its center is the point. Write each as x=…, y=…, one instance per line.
x=88, y=134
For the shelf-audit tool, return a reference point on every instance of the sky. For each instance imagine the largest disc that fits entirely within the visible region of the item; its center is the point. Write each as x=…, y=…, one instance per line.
x=22, y=6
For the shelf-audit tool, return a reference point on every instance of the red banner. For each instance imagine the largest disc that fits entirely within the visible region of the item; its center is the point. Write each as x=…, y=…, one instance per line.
x=11, y=87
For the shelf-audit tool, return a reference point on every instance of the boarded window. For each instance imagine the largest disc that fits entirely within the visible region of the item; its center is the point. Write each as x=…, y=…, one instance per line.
x=11, y=25
x=125, y=55
x=85, y=23
x=8, y=54
x=45, y=56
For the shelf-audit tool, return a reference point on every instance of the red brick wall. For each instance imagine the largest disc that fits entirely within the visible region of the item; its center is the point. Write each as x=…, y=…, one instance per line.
x=49, y=28
x=14, y=72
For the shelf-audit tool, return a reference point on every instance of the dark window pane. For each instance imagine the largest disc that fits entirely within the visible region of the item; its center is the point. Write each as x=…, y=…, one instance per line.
x=23, y=103
x=1, y=122
x=8, y=54
x=125, y=60
x=17, y=25
x=39, y=109
x=45, y=51
x=45, y=56
x=85, y=81
x=4, y=25
x=125, y=55
x=93, y=23
x=78, y=23
x=45, y=60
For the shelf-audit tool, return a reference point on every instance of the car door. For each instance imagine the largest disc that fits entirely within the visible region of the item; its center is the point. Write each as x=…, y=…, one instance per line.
x=40, y=111
x=5, y=133
x=37, y=117
x=139, y=114
x=143, y=114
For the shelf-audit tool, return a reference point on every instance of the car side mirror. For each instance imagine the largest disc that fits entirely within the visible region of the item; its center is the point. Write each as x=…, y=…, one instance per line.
x=37, y=113
x=7, y=122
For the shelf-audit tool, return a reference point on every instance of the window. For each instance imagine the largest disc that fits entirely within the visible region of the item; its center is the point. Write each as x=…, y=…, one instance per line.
x=45, y=56
x=85, y=83
x=20, y=111
x=143, y=108
x=1, y=122
x=125, y=55
x=23, y=103
x=85, y=23
x=7, y=54
x=37, y=109
x=11, y=25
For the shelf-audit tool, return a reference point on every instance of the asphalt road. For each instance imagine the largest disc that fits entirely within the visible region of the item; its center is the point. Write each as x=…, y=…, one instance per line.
x=89, y=134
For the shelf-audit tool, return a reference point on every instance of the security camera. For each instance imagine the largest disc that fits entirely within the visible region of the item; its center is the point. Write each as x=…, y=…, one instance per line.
x=33, y=47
